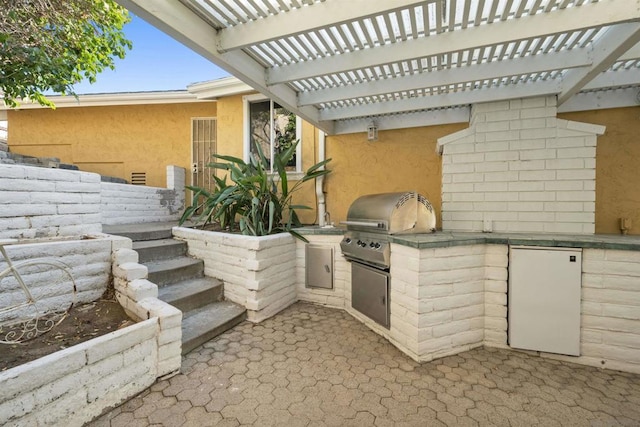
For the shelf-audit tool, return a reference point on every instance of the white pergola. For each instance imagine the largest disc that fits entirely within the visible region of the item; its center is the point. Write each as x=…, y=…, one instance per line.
x=341, y=64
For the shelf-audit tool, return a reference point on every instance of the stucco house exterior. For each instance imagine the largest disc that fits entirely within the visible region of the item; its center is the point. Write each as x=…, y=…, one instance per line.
x=139, y=134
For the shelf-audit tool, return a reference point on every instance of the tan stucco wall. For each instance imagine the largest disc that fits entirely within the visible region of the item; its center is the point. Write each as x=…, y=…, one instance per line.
x=113, y=140
x=617, y=167
x=400, y=160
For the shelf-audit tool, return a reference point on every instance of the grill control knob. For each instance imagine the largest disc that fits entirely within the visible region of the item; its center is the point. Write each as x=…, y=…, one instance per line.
x=347, y=240
x=372, y=244
x=377, y=246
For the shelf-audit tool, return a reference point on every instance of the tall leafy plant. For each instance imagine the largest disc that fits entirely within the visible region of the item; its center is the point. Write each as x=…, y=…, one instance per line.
x=255, y=201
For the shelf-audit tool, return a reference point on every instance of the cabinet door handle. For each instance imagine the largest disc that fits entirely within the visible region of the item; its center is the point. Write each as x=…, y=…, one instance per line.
x=327, y=269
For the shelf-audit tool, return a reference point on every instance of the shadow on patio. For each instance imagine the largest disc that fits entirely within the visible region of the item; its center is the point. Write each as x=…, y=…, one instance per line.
x=312, y=365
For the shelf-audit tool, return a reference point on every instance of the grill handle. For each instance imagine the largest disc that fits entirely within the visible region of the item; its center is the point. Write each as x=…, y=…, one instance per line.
x=364, y=224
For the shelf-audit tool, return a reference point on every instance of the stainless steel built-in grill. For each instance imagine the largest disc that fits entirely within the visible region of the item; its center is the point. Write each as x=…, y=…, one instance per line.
x=370, y=221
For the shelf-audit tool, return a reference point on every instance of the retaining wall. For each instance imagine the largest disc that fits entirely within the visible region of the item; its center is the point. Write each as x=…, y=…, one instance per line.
x=42, y=203
x=74, y=385
x=134, y=204
x=89, y=261
x=38, y=202
x=258, y=272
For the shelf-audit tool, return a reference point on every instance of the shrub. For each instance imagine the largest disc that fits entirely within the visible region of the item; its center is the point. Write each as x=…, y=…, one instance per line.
x=255, y=202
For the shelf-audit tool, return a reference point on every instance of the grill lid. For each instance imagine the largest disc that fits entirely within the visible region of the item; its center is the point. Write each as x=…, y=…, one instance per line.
x=392, y=213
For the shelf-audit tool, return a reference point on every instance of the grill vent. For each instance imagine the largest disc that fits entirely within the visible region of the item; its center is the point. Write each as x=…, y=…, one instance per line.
x=423, y=200
x=139, y=178
x=404, y=199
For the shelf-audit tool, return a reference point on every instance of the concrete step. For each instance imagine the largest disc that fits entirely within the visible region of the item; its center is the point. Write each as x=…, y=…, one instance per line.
x=165, y=272
x=192, y=294
x=141, y=232
x=206, y=323
x=154, y=250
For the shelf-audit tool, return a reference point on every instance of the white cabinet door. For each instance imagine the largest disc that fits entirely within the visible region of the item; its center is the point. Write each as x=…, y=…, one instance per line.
x=544, y=299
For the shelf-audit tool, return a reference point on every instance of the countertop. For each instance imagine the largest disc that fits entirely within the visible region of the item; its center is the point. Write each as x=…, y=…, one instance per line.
x=443, y=239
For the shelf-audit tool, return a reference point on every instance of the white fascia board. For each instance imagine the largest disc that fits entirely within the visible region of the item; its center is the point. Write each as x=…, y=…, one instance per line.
x=601, y=100
x=179, y=22
x=606, y=50
x=408, y=120
x=214, y=89
x=107, y=99
x=589, y=15
x=445, y=100
x=491, y=70
x=307, y=18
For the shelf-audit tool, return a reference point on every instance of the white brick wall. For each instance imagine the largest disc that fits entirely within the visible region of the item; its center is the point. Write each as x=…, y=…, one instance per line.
x=139, y=298
x=39, y=202
x=519, y=169
x=258, y=272
x=610, y=324
x=89, y=262
x=495, y=295
x=437, y=300
x=74, y=385
x=132, y=204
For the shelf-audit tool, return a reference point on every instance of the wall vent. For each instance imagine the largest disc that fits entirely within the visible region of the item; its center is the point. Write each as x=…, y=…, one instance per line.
x=139, y=178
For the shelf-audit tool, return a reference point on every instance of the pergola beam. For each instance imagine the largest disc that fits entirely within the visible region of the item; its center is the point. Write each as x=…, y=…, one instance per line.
x=306, y=19
x=606, y=50
x=410, y=120
x=452, y=99
x=580, y=57
x=589, y=15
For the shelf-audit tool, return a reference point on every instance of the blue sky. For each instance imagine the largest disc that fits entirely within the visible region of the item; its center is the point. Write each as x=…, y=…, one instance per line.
x=156, y=62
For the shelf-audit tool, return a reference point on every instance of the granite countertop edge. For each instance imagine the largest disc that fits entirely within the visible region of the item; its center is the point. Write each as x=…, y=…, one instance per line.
x=444, y=239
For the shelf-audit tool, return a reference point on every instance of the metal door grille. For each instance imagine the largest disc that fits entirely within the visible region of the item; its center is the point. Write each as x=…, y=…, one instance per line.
x=203, y=146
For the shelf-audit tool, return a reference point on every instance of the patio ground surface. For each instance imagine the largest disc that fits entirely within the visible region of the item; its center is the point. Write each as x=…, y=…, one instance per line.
x=312, y=365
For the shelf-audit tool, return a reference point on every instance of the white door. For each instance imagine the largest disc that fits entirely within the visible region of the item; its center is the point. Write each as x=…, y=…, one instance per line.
x=544, y=299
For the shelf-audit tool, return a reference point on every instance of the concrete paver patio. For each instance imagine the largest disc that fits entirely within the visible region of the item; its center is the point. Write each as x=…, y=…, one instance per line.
x=313, y=366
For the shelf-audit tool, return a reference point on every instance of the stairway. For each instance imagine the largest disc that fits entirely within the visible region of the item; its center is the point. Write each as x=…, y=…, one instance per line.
x=181, y=282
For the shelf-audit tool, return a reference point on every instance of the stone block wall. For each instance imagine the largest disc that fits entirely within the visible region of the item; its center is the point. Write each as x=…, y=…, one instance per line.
x=437, y=300
x=43, y=203
x=341, y=292
x=259, y=273
x=495, y=295
x=133, y=204
x=610, y=324
x=518, y=168
x=72, y=386
x=139, y=298
x=39, y=202
x=89, y=262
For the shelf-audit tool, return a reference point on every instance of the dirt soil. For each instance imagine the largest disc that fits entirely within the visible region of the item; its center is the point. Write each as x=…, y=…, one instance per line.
x=83, y=323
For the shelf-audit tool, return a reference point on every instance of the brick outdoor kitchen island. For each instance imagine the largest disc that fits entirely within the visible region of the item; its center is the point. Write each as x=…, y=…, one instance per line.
x=448, y=292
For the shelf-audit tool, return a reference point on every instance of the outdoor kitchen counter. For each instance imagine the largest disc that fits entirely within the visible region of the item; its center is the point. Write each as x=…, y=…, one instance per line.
x=445, y=239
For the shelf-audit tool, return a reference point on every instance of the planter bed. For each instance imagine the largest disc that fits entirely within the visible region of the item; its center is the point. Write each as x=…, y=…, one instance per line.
x=76, y=384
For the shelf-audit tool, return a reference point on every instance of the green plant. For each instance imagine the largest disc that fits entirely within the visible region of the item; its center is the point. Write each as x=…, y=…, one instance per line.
x=259, y=200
